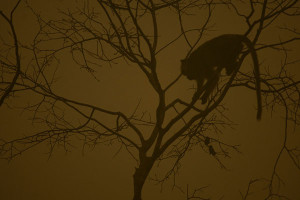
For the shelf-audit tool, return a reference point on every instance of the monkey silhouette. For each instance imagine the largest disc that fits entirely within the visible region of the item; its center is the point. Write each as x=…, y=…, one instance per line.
x=206, y=63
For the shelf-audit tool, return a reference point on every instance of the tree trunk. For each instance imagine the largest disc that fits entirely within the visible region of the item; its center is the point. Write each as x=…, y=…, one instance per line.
x=140, y=175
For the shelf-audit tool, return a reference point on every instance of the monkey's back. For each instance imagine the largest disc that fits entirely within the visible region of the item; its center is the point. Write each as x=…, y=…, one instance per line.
x=219, y=51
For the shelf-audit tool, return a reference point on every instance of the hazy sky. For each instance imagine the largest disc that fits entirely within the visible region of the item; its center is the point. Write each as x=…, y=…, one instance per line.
x=103, y=173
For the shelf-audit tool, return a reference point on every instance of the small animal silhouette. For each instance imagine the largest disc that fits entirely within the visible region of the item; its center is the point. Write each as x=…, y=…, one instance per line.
x=206, y=63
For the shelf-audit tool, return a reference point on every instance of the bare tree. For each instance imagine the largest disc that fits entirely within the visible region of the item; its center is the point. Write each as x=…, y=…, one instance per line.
x=127, y=32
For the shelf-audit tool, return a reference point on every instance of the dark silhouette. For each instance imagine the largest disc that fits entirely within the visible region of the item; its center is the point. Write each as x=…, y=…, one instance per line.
x=208, y=60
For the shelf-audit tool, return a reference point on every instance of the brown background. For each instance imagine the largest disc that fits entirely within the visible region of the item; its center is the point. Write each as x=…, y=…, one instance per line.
x=99, y=174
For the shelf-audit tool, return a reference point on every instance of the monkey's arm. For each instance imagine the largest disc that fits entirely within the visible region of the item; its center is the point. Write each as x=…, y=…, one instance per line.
x=200, y=89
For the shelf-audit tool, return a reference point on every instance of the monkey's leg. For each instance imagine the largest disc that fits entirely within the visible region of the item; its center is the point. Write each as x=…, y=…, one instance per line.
x=231, y=68
x=210, y=86
x=199, y=89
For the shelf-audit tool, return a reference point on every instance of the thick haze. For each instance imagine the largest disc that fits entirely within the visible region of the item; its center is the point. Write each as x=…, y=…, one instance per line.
x=103, y=173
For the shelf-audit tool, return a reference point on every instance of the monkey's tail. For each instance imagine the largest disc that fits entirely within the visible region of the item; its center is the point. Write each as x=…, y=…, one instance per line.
x=256, y=73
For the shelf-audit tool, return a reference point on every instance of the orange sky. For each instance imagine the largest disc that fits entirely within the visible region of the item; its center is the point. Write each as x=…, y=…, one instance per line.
x=99, y=173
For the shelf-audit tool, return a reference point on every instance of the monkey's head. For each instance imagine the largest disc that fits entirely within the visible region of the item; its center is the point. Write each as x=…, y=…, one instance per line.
x=187, y=69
